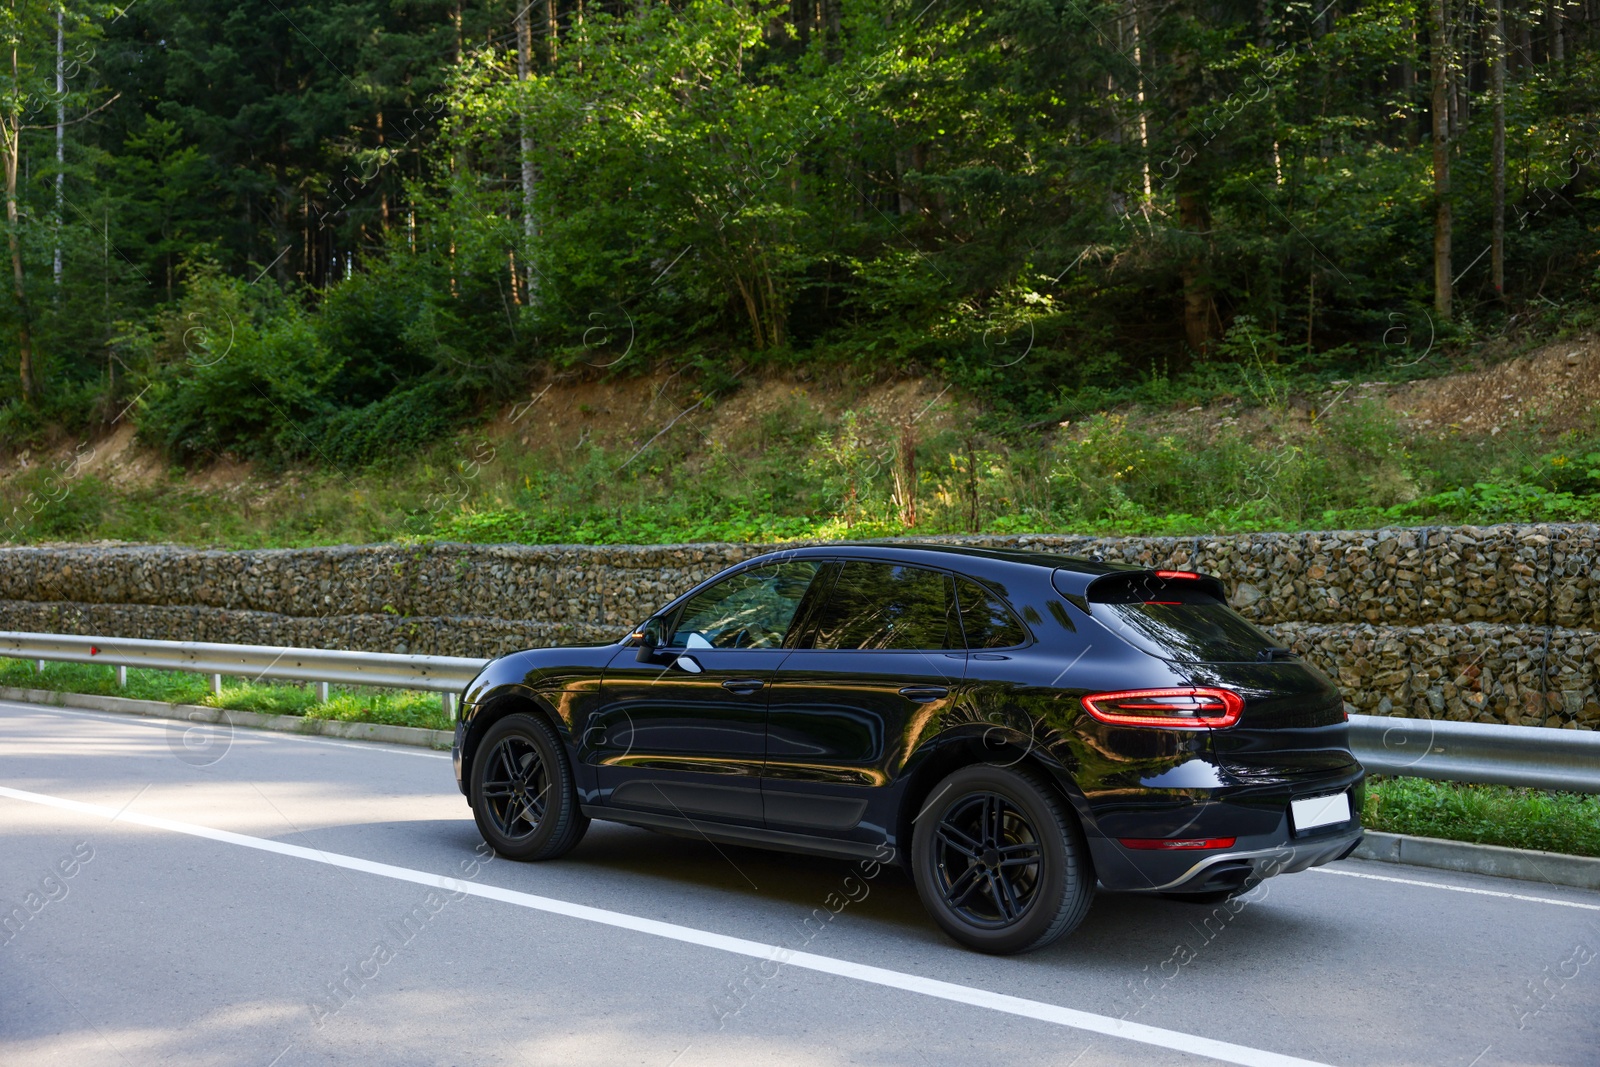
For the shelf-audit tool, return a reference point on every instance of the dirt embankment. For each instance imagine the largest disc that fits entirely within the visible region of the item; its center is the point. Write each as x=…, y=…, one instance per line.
x=1554, y=389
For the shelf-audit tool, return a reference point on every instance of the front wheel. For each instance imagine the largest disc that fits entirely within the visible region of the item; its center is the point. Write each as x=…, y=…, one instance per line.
x=999, y=860
x=523, y=797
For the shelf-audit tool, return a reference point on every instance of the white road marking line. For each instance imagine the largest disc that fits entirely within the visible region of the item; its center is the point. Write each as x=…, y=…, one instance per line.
x=1193, y=1044
x=1458, y=888
x=134, y=719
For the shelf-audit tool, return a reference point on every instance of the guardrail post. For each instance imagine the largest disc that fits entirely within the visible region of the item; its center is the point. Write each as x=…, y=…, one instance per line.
x=38, y=666
x=322, y=692
x=449, y=702
x=122, y=677
x=216, y=685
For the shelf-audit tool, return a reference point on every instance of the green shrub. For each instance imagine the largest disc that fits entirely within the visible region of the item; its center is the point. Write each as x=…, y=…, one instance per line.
x=1486, y=814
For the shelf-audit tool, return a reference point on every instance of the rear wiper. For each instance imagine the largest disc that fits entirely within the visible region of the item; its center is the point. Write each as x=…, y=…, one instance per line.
x=1267, y=655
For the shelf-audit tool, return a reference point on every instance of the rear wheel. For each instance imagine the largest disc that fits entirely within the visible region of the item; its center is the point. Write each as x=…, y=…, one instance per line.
x=523, y=796
x=999, y=861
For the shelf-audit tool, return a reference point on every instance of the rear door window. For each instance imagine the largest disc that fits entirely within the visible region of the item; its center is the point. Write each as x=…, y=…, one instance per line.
x=889, y=606
x=985, y=618
x=1178, y=619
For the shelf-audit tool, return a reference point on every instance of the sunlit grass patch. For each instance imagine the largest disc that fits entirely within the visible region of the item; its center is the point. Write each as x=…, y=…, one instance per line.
x=1485, y=814
x=388, y=707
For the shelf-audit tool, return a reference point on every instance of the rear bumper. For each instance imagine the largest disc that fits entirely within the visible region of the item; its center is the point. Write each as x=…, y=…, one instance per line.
x=1235, y=868
x=1264, y=844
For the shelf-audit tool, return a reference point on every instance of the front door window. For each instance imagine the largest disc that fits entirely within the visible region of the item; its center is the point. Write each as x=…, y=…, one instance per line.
x=753, y=609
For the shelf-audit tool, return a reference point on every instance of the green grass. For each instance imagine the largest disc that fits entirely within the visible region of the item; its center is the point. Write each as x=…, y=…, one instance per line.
x=388, y=707
x=1485, y=814
x=804, y=471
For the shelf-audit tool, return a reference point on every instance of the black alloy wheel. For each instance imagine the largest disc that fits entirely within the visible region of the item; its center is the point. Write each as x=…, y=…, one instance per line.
x=999, y=861
x=987, y=860
x=522, y=791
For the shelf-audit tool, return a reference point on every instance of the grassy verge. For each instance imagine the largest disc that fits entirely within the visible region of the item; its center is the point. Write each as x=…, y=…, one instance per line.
x=389, y=707
x=806, y=470
x=1485, y=814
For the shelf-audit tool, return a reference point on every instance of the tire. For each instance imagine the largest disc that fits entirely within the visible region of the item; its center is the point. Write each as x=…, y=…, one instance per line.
x=1046, y=883
x=526, y=808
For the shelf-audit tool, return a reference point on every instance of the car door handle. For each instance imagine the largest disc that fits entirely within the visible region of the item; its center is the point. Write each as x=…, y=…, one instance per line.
x=922, y=694
x=743, y=685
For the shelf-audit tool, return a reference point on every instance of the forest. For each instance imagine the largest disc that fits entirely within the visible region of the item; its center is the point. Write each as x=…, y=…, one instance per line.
x=324, y=236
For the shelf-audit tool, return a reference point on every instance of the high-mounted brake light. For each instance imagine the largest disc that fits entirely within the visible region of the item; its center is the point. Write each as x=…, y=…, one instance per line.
x=1176, y=708
x=1172, y=843
x=1176, y=574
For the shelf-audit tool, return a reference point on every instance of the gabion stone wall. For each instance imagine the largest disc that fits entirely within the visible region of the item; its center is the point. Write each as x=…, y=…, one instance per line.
x=1496, y=623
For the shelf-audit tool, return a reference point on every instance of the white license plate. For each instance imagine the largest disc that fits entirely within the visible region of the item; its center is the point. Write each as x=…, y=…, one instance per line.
x=1320, y=811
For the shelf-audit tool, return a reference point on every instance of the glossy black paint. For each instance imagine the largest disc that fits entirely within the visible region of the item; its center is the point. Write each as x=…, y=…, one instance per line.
x=835, y=750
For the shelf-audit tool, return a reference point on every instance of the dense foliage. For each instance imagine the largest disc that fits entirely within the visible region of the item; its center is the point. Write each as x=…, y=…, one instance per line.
x=327, y=234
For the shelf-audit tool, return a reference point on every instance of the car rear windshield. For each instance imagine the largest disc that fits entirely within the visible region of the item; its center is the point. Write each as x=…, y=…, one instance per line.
x=1176, y=618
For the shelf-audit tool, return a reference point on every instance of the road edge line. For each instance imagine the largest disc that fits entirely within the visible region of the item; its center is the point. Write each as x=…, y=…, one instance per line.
x=1072, y=1018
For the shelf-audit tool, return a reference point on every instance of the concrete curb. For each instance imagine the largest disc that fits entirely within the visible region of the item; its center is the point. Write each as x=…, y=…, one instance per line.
x=286, y=724
x=1526, y=865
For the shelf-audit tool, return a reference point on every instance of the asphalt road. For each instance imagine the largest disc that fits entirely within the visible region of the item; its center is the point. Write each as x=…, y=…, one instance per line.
x=192, y=895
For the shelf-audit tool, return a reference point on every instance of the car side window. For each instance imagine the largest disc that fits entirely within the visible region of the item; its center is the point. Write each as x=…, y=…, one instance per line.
x=987, y=621
x=751, y=609
x=889, y=606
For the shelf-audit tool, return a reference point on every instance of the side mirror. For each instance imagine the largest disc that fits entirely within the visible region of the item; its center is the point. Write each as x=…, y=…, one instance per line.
x=652, y=635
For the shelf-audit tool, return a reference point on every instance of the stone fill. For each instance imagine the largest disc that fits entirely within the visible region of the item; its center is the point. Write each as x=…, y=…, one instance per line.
x=1494, y=623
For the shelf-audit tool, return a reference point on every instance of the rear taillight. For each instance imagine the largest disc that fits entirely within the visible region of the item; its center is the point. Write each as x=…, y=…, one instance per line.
x=1176, y=574
x=1166, y=843
x=1180, y=707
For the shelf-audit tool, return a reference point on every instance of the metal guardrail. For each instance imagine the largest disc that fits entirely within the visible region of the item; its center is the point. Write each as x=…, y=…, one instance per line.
x=1419, y=748
x=1536, y=756
x=446, y=675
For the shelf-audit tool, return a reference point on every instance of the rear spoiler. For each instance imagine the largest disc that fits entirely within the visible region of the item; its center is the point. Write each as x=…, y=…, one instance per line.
x=1135, y=583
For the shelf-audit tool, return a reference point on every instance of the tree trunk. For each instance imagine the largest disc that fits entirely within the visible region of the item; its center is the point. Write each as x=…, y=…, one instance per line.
x=1408, y=83
x=1144, y=126
x=1497, y=165
x=1195, y=221
x=12, y=146
x=61, y=136
x=832, y=48
x=1439, y=57
x=1194, y=212
x=530, y=175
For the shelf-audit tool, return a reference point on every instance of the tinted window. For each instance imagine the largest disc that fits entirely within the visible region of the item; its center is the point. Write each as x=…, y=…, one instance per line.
x=882, y=605
x=988, y=623
x=1191, y=632
x=1177, y=619
x=752, y=609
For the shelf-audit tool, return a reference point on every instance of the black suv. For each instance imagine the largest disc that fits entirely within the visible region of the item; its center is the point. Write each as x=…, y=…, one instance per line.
x=1013, y=726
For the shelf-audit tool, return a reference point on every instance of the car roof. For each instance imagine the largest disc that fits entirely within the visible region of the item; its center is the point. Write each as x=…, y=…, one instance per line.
x=943, y=555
